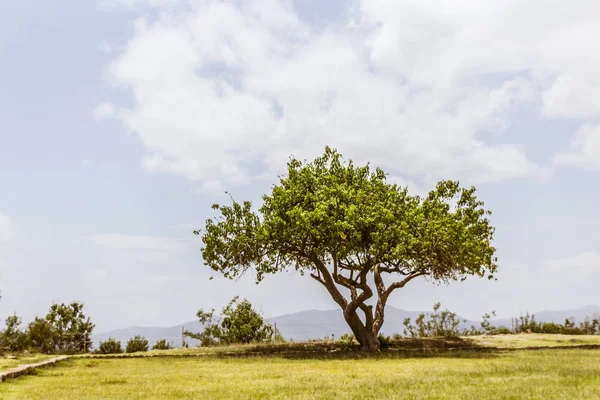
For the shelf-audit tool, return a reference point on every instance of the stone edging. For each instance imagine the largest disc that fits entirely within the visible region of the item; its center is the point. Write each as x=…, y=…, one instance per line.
x=18, y=371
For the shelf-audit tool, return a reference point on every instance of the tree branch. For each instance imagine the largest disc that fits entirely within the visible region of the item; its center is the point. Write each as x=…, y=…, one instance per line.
x=397, y=285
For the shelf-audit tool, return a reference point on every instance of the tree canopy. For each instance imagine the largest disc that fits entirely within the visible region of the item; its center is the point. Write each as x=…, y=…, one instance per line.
x=355, y=233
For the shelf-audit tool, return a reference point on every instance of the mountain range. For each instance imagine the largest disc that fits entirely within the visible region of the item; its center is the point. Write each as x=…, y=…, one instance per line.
x=317, y=324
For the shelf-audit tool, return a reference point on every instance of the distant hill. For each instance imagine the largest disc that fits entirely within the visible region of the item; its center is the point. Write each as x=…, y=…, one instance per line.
x=316, y=324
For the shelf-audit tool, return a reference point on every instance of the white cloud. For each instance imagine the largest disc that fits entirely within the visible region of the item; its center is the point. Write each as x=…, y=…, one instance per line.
x=7, y=230
x=224, y=94
x=584, y=262
x=138, y=243
x=105, y=110
x=586, y=149
x=572, y=97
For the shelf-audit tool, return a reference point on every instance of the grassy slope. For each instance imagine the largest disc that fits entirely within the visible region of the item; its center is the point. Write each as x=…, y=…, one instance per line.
x=425, y=369
x=534, y=340
x=545, y=374
x=6, y=363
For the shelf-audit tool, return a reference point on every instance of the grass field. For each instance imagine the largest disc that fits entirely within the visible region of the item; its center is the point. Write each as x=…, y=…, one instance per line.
x=8, y=363
x=415, y=373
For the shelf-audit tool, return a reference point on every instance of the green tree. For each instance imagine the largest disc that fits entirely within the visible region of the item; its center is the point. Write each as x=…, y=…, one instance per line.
x=162, y=344
x=41, y=335
x=137, y=344
x=72, y=329
x=65, y=329
x=239, y=323
x=346, y=226
x=12, y=338
x=110, y=346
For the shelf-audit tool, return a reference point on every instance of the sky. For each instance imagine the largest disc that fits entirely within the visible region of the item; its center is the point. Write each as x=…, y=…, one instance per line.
x=122, y=121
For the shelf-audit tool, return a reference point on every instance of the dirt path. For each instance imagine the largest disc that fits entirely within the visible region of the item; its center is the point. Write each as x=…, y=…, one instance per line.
x=22, y=369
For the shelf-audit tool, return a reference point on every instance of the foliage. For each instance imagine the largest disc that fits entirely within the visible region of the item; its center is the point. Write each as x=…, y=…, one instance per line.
x=162, y=344
x=239, y=323
x=343, y=225
x=527, y=323
x=136, y=344
x=277, y=336
x=384, y=341
x=486, y=327
x=436, y=324
x=72, y=330
x=110, y=346
x=65, y=329
x=42, y=336
x=502, y=330
x=347, y=342
x=12, y=338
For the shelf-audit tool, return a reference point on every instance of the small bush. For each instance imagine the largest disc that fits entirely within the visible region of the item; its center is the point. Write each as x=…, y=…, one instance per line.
x=162, y=344
x=502, y=331
x=347, y=342
x=110, y=346
x=384, y=341
x=137, y=344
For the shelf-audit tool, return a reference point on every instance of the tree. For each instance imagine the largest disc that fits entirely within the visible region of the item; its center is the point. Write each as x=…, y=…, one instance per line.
x=110, y=346
x=239, y=323
x=12, y=338
x=136, y=344
x=41, y=335
x=162, y=344
x=72, y=329
x=65, y=329
x=346, y=227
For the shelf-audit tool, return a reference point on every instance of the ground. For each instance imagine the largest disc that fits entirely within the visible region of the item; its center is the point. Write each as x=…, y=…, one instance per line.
x=7, y=362
x=428, y=369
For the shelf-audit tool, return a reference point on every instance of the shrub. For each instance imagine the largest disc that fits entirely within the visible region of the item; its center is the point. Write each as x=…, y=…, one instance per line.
x=384, y=341
x=137, y=344
x=12, y=338
x=162, y=344
x=436, y=324
x=502, y=331
x=110, y=346
x=347, y=342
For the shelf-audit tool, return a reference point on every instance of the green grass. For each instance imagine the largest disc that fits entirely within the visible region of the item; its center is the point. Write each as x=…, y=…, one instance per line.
x=7, y=363
x=544, y=374
x=467, y=368
x=526, y=340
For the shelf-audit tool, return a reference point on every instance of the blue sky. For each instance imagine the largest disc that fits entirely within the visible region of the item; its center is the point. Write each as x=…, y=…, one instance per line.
x=123, y=120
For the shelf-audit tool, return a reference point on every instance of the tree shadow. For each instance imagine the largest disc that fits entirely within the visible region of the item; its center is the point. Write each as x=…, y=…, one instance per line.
x=402, y=348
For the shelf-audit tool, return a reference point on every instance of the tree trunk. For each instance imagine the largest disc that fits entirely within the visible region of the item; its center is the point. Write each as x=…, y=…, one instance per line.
x=369, y=342
x=367, y=339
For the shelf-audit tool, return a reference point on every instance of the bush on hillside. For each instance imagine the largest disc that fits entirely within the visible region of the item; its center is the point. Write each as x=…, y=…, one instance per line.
x=137, y=344
x=162, y=344
x=110, y=346
x=436, y=324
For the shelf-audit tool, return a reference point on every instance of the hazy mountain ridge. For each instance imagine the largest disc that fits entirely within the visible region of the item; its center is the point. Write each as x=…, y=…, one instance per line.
x=316, y=324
